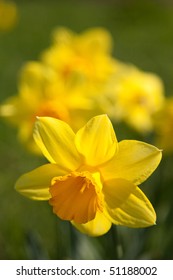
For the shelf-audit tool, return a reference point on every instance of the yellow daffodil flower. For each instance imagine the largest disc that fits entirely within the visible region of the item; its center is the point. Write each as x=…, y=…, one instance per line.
x=8, y=15
x=134, y=97
x=64, y=84
x=91, y=180
x=42, y=93
x=82, y=58
x=163, y=126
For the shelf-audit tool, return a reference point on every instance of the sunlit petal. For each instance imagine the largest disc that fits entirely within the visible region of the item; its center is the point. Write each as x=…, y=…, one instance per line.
x=135, y=161
x=56, y=140
x=127, y=205
x=96, y=141
x=98, y=226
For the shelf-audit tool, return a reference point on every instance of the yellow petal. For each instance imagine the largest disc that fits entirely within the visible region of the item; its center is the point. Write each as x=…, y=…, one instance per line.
x=96, y=141
x=135, y=162
x=127, y=205
x=56, y=141
x=96, y=40
x=99, y=226
x=35, y=184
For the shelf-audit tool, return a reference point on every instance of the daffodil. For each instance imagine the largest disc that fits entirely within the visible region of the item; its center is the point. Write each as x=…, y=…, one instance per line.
x=134, y=96
x=82, y=58
x=42, y=93
x=63, y=84
x=8, y=15
x=92, y=179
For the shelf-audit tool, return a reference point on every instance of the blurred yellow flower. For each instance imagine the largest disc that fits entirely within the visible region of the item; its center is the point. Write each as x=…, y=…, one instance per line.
x=8, y=15
x=134, y=96
x=82, y=58
x=163, y=126
x=41, y=93
x=63, y=84
x=91, y=180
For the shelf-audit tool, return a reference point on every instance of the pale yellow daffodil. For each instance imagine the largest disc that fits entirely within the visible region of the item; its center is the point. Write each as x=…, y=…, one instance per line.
x=82, y=58
x=134, y=96
x=91, y=180
x=42, y=93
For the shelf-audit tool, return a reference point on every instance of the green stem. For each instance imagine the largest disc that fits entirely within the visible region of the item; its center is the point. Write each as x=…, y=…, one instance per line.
x=117, y=247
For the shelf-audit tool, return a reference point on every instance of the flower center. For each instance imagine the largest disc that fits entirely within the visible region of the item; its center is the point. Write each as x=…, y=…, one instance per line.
x=53, y=110
x=76, y=197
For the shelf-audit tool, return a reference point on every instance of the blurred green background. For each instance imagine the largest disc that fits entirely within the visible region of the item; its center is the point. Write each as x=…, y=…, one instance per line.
x=143, y=35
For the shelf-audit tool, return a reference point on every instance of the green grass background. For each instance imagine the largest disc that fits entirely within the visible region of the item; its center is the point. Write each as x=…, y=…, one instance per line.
x=142, y=31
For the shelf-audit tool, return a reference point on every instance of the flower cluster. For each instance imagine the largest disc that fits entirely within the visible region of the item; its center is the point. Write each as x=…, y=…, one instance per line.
x=91, y=179
x=77, y=78
x=64, y=83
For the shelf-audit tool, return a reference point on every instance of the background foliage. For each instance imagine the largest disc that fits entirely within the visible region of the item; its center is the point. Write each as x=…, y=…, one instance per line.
x=142, y=32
